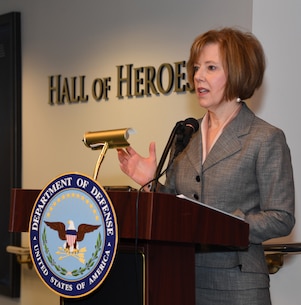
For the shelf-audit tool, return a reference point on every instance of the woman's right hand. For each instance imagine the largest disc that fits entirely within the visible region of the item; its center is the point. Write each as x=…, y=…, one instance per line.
x=140, y=169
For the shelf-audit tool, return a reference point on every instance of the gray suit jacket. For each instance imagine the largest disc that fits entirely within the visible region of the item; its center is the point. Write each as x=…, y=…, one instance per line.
x=248, y=172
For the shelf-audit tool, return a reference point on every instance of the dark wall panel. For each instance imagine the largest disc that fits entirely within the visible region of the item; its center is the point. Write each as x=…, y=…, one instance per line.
x=10, y=146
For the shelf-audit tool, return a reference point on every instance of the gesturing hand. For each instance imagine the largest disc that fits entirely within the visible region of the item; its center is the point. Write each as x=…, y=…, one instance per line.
x=140, y=169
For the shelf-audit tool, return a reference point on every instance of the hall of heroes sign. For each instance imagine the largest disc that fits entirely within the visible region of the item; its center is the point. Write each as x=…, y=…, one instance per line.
x=130, y=81
x=73, y=235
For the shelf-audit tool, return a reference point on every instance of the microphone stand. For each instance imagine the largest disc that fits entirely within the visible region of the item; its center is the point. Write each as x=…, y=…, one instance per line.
x=164, y=155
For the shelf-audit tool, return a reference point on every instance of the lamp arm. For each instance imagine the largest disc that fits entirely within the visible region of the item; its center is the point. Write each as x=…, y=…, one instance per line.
x=101, y=156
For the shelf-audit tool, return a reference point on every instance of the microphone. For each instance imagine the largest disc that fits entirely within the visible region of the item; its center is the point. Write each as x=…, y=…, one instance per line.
x=184, y=134
x=183, y=130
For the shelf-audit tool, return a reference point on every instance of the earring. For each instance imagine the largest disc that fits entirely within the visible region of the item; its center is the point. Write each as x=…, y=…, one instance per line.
x=238, y=100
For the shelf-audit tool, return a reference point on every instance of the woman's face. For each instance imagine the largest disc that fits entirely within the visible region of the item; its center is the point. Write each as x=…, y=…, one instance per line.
x=210, y=77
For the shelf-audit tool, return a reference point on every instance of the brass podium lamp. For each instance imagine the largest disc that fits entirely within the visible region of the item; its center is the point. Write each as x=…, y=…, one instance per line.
x=116, y=138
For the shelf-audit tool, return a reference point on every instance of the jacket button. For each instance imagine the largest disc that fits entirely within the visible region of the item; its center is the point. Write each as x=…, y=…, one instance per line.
x=198, y=178
x=196, y=196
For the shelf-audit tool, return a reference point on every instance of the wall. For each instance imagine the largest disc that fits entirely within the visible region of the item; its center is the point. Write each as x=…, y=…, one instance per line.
x=278, y=26
x=91, y=38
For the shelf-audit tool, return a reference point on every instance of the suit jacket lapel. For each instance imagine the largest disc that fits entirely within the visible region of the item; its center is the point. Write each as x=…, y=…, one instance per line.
x=226, y=145
x=229, y=141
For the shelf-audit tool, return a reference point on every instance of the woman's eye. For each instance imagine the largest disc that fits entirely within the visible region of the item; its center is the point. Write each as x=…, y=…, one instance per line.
x=211, y=68
x=195, y=68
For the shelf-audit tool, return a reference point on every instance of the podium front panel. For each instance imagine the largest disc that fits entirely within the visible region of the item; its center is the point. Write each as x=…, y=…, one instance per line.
x=124, y=284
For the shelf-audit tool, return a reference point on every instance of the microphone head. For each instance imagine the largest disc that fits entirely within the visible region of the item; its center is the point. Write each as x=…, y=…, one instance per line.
x=184, y=134
x=193, y=123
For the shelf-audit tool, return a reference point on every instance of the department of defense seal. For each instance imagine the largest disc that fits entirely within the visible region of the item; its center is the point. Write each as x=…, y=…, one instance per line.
x=73, y=235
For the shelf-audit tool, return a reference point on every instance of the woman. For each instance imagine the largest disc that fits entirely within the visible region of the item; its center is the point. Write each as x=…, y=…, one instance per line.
x=236, y=162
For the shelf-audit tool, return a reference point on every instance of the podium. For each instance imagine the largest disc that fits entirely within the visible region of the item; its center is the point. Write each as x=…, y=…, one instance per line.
x=164, y=230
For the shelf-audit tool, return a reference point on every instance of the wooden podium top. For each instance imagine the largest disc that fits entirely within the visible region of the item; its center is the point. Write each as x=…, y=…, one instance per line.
x=152, y=217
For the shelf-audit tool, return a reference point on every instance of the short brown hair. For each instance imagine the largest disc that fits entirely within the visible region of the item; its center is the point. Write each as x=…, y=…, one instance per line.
x=243, y=60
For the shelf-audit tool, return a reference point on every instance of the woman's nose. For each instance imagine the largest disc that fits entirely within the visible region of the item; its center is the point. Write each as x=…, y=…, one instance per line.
x=199, y=75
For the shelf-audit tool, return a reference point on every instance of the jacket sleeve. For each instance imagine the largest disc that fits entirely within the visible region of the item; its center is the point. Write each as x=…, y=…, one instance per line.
x=276, y=185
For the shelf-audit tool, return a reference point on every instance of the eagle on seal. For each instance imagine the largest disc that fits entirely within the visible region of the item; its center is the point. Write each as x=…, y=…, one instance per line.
x=71, y=236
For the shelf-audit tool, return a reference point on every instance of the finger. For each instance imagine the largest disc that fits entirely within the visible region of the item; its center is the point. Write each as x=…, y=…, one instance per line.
x=131, y=151
x=152, y=150
x=122, y=155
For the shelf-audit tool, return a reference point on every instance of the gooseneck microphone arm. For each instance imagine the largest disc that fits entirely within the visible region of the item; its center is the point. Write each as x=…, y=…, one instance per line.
x=183, y=130
x=164, y=154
